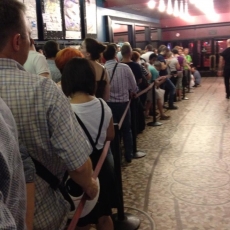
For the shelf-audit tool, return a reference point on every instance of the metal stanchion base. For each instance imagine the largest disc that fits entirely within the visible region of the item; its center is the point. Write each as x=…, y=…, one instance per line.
x=153, y=124
x=129, y=223
x=138, y=154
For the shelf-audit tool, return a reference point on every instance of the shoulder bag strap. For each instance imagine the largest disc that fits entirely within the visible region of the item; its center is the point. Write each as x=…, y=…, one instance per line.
x=113, y=71
x=86, y=131
x=101, y=122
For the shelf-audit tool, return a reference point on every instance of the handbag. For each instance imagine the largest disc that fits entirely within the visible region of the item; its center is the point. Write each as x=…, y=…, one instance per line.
x=161, y=93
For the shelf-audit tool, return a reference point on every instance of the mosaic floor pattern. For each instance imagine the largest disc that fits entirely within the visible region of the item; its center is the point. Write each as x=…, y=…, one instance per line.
x=184, y=181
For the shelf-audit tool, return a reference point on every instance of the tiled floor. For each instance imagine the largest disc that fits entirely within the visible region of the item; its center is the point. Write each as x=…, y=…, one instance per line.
x=184, y=181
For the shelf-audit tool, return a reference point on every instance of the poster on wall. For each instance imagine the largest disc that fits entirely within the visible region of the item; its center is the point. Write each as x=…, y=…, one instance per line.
x=31, y=15
x=72, y=19
x=52, y=19
x=91, y=16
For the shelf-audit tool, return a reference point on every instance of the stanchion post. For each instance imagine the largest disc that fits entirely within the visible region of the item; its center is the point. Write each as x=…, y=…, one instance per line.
x=133, y=108
x=154, y=123
x=121, y=220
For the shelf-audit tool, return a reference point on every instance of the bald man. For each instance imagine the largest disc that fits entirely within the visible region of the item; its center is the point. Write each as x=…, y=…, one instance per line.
x=224, y=64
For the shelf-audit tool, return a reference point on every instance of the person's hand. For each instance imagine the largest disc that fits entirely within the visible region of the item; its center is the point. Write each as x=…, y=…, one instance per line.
x=91, y=190
x=220, y=73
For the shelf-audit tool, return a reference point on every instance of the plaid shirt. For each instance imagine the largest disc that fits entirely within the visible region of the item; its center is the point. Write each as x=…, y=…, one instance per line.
x=12, y=181
x=48, y=129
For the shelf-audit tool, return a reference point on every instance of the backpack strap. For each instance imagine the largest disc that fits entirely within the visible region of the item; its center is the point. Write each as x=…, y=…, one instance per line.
x=113, y=72
x=94, y=144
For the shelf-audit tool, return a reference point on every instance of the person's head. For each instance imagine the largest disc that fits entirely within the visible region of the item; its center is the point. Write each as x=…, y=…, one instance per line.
x=51, y=49
x=155, y=50
x=126, y=51
x=92, y=49
x=152, y=58
x=78, y=76
x=149, y=48
x=110, y=52
x=186, y=51
x=65, y=55
x=163, y=50
x=157, y=65
x=228, y=42
x=137, y=50
x=175, y=51
x=193, y=69
x=15, y=31
x=135, y=56
x=169, y=54
x=180, y=51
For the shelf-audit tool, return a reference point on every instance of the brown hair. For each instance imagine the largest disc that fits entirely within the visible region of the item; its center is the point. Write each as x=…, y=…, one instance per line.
x=94, y=47
x=11, y=21
x=135, y=56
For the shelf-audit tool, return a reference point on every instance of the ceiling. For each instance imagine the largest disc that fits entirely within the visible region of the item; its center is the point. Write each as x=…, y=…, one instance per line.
x=140, y=7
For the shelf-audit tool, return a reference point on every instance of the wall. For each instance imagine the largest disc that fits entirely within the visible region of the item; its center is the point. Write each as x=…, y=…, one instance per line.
x=101, y=12
x=208, y=31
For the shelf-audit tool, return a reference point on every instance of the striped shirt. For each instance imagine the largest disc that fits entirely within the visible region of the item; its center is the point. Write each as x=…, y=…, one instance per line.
x=49, y=130
x=123, y=81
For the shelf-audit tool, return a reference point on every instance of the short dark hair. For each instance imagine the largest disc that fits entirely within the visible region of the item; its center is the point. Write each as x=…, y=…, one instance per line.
x=126, y=49
x=51, y=49
x=11, y=20
x=78, y=76
x=149, y=47
x=175, y=51
x=110, y=52
x=94, y=47
x=153, y=55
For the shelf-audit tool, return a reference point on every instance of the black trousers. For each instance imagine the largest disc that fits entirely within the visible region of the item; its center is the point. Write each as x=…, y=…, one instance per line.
x=227, y=81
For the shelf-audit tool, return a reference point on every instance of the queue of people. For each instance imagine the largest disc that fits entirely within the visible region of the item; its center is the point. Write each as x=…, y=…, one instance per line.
x=57, y=111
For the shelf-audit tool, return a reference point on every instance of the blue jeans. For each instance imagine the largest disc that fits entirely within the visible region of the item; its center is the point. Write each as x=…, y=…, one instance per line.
x=169, y=91
x=118, y=110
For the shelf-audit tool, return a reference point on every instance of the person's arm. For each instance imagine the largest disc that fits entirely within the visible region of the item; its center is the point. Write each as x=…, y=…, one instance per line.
x=30, y=191
x=220, y=67
x=110, y=131
x=107, y=88
x=131, y=80
x=83, y=177
x=29, y=171
x=41, y=66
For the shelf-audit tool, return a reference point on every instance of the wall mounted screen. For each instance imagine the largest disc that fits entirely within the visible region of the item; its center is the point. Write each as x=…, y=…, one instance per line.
x=52, y=19
x=91, y=16
x=31, y=14
x=72, y=19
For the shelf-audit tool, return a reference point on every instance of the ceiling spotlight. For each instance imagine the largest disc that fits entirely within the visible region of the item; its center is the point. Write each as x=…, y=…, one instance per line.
x=151, y=4
x=181, y=9
x=169, y=7
x=176, y=8
x=192, y=1
x=161, y=6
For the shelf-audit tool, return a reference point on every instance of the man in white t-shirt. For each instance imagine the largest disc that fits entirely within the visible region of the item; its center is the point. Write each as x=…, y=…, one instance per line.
x=36, y=63
x=149, y=51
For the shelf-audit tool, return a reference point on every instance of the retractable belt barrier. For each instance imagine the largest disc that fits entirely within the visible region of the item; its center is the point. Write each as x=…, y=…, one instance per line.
x=122, y=220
